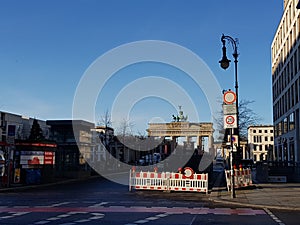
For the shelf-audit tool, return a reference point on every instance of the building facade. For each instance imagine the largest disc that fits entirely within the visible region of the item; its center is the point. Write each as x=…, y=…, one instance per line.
x=22, y=156
x=13, y=126
x=285, y=52
x=74, y=143
x=261, y=142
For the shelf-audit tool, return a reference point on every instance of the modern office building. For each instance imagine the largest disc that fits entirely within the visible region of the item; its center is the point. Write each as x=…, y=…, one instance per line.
x=260, y=142
x=285, y=52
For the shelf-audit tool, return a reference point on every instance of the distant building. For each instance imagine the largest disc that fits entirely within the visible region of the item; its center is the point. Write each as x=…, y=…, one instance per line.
x=13, y=126
x=102, y=137
x=261, y=142
x=21, y=155
x=73, y=146
x=286, y=88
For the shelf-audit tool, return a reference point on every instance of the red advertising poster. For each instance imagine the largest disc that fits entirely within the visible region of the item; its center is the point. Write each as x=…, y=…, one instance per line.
x=32, y=158
x=37, y=158
x=49, y=158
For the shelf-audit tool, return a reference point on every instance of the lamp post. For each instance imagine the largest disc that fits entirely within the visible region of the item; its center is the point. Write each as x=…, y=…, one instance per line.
x=224, y=63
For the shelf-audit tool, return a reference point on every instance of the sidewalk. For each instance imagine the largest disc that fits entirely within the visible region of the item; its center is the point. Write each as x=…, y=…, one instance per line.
x=273, y=196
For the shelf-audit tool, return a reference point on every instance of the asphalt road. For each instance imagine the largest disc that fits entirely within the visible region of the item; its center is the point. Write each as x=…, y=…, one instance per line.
x=99, y=201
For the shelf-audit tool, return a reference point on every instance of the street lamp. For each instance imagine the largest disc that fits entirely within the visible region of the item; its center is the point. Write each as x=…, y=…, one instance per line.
x=224, y=63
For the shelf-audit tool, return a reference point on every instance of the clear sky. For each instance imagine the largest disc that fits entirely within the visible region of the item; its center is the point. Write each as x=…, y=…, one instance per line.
x=46, y=47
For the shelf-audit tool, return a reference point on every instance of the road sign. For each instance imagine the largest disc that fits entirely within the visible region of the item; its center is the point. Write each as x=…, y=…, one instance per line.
x=230, y=121
x=234, y=139
x=229, y=97
x=229, y=109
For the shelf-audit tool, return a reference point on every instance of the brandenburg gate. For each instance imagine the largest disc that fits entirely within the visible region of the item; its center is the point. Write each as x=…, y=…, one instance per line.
x=180, y=127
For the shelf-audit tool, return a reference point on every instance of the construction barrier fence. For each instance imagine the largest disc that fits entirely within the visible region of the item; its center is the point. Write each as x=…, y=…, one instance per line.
x=242, y=178
x=167, y=181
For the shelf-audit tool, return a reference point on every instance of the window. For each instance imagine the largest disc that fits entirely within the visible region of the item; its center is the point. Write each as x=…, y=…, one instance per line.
x=266, y=138
x=292, y=152
x=257, y=139
x=261, y=157
x=296, y=92
x=259, y=131
x=279, y=128
x=285, y=125
x=295, y=63
x=266, y=131
x=254, y=131
x=292, y=121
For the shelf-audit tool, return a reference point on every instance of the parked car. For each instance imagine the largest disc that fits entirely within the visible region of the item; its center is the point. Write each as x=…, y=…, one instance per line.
x=142, y=161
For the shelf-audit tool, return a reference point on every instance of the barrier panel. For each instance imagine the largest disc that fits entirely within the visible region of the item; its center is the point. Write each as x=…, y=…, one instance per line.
x=242, y=178
x=167, y=181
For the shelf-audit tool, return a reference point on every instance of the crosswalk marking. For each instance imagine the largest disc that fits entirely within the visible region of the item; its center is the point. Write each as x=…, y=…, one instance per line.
x=136, y=209
x=98, y=210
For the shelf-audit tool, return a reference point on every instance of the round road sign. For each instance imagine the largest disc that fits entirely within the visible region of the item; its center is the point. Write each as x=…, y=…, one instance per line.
x=229, y=97
x=188, y=172
x=230, y=120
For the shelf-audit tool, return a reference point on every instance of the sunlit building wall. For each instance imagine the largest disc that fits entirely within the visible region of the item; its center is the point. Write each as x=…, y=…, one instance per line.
x=260, y=142
x=285, y=53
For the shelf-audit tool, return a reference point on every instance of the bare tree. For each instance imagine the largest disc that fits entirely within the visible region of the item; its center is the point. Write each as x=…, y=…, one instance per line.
x=247, y=117
x=105, y=120
x=125, y=128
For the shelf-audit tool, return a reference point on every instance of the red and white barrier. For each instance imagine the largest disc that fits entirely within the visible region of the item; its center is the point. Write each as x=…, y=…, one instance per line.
x=167, y=181
x=242, y=178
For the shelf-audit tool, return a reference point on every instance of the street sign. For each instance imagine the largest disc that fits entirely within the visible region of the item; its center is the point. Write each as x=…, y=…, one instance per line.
x=229, y=109
x=229, y=97
x=234, y=139
x=230, y=121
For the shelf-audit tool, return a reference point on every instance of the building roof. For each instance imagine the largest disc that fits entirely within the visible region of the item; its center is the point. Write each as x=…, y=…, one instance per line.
x=260, y=126
x=70, y=123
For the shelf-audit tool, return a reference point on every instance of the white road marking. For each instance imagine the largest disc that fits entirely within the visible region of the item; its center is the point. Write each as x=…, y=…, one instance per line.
x=275, y=218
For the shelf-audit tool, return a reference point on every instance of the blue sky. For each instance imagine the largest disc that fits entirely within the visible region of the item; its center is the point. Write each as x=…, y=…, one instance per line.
x=46, y=47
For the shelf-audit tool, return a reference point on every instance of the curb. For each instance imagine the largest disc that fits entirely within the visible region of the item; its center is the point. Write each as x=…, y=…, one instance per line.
x=26, y=187
x=255, y=205
x=217, y=199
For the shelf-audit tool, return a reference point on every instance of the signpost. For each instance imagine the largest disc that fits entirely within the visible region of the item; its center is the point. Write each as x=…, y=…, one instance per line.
x=230, y=122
